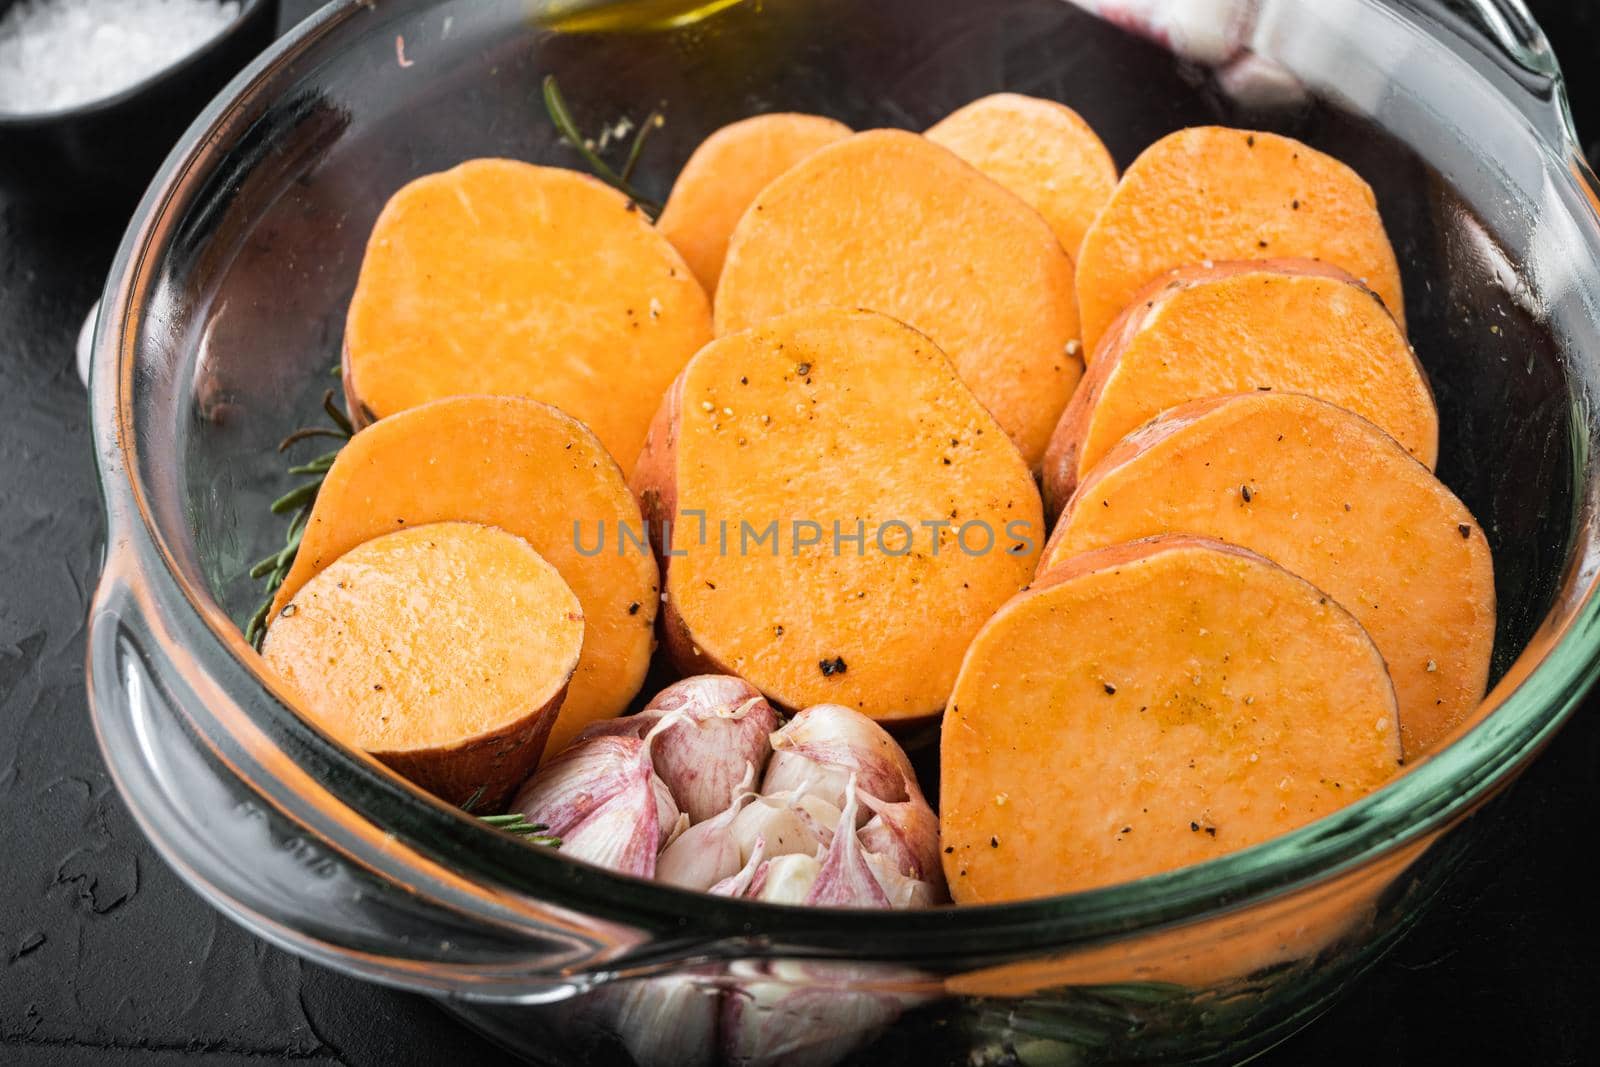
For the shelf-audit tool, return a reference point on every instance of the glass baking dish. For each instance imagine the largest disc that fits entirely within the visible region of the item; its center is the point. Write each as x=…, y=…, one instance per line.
x=222, y=317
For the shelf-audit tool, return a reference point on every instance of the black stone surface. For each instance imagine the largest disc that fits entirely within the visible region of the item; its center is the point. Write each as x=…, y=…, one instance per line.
x=107, y=959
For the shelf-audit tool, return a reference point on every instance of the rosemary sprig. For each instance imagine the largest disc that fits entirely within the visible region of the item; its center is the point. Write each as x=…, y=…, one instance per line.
x=561, y=117
x=517, y=823
x=297, y=504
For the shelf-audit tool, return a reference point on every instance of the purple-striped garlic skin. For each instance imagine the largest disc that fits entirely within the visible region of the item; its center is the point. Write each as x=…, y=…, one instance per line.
x=906, y=835
x=707, y=730
x=583, y=777
x=822, y=746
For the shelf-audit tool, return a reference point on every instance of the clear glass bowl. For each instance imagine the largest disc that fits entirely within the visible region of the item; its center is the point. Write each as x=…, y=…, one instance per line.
x=223, y=315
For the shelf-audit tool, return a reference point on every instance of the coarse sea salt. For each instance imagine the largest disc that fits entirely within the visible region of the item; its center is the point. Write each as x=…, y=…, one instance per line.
x=58, y=54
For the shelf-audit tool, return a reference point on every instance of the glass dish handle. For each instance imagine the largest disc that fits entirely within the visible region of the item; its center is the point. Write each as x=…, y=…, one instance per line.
x=296, y=866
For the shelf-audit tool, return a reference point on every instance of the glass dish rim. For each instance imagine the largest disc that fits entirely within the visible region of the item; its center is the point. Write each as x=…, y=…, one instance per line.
x=1529, y=703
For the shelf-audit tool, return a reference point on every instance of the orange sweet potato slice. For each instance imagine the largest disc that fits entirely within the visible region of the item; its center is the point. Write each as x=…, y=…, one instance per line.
x=1042, y=151
x=1335, y=500
x=1151, y=706
x=523, y=466
x=889, y=221
x=443, y=650
x=506, y=278
x=855, y=423
x=1286, y=325
x=1212, y=193
x=723, y=176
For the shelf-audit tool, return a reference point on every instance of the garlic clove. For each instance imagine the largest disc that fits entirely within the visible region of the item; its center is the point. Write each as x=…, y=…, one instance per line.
x=845, y=880
x=906, y=834
x=623, y=834
x=825, y=744
x=788, y=879
x=708, y=729
x=786, y=827
x=572, y=786
x=905, y=893
x=704, y=854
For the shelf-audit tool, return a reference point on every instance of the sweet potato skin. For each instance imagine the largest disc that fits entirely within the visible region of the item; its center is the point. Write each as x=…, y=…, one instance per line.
x=501, y=277
x=1213, y=193
x=767, y=353
x=497, y=460
x=723, y=177
x=1152, y=705
x=455, y=736
x=1039, y=149
x=487, y=767
x=1329, y=496
x=1346, y=349
x=888, y=221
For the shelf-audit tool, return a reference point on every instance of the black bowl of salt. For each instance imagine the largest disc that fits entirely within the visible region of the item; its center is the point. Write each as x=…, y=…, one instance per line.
x=94, y=93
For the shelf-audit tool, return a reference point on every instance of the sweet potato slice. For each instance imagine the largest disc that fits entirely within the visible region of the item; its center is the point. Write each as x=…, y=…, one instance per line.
x=443, y=650
x=778, y=444
x=1212, y=193
x=1335, y=500
x=889, y=221
x=523, y=466
x=1287, y=325
x=1151, y=706
x=723, y=176
x=506, y=278
x=1042, y=151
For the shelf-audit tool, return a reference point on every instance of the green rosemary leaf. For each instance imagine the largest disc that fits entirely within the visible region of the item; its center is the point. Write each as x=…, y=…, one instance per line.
x=320, y=465
x=505, y=820
x=339, y=418
x=256, y=629
x=299, y=496
x=311, y=431
x=474, y=800
x=298, y=501
x=561, y=117
x=652, y=121
x=517, y=823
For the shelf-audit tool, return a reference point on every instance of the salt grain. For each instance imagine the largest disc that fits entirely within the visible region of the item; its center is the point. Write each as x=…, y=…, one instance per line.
x=58, y=54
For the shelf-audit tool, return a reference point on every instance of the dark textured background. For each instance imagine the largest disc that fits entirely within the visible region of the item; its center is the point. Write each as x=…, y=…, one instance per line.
x=106, y=959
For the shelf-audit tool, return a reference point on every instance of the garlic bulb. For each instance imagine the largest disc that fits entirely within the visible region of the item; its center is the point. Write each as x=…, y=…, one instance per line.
x=824, y=745
x=719, y=725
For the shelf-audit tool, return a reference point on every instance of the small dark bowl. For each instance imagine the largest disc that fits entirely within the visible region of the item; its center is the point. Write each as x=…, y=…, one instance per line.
x=99, y=156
